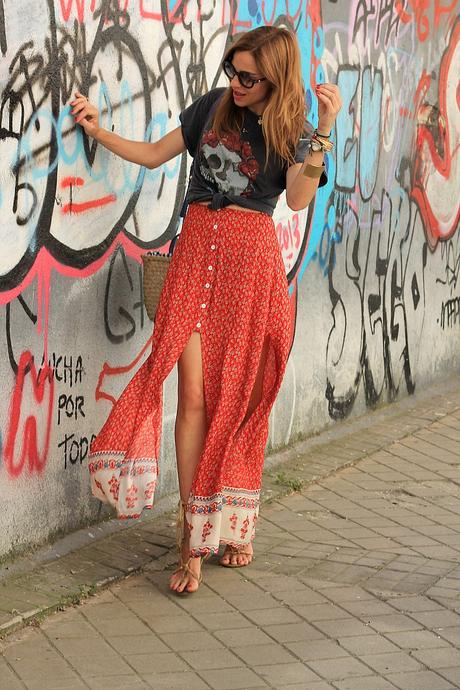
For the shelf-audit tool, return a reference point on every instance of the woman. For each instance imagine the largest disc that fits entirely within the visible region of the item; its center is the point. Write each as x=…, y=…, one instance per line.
x=224, y=312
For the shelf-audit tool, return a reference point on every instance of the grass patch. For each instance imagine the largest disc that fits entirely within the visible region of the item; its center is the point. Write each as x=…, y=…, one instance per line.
x=291, y=482
x=64, y=603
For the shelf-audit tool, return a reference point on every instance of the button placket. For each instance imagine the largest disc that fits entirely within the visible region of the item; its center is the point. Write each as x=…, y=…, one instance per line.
x=207, y=285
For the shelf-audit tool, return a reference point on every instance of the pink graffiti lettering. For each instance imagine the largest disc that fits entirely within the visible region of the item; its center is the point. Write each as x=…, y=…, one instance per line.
x=25, y=427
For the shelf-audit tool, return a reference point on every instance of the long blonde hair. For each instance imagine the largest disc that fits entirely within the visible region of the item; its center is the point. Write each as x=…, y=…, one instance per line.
x=277, y=55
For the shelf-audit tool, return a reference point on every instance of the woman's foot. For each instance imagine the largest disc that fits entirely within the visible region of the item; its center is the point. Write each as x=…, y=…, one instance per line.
x=187, y=576
x=237, y=558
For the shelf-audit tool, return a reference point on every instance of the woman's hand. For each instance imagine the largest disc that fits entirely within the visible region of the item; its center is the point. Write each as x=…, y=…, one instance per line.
x=85, y=114
x=329, y=104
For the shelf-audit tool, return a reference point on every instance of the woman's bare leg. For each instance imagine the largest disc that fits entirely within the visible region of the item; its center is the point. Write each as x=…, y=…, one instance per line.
x=190, y=432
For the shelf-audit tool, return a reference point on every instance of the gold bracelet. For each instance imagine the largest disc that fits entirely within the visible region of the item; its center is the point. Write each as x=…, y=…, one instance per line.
x=325, y=143
x=313, y=170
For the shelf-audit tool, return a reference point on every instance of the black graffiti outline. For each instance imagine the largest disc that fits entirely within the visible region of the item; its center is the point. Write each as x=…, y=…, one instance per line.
x=3, y=41
x=386, y=265
x=82, y=257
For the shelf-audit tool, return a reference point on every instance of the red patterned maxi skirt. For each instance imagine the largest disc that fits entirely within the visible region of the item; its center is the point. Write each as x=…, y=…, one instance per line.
x=226, y=280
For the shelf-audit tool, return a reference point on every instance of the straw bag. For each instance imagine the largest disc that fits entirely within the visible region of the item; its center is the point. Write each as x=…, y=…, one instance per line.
x=155, y=266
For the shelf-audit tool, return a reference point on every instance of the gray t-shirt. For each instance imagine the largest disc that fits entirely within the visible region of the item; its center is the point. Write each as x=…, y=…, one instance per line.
x=231, y=170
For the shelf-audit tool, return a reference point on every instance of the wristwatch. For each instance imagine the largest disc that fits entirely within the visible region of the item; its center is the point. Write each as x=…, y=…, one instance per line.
x=316, y=145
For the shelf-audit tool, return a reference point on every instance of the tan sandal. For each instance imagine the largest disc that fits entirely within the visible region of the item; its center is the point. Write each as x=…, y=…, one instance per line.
x=232, y=550
x=184, y=566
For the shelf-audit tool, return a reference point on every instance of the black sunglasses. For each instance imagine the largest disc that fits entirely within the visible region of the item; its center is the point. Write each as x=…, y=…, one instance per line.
x=244, y=78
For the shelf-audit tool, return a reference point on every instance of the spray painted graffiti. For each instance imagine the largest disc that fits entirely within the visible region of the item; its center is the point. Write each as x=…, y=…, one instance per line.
x=76, y=220
x=78, y=208
x=397, y=161
x=386, y=304
x=436, y=171
x=22, y=442
x=383, y=233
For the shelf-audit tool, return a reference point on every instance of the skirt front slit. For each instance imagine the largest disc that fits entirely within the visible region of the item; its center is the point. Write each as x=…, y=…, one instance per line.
x=227, y=281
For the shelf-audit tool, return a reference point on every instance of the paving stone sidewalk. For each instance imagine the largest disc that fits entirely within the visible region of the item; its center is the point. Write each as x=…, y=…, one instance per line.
x=355, y=585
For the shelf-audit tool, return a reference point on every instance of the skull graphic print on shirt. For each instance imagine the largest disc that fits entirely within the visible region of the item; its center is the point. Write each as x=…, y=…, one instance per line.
x=228, y=163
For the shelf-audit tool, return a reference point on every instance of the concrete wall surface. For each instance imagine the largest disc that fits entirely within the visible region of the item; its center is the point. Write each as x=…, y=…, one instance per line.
x=373, y=265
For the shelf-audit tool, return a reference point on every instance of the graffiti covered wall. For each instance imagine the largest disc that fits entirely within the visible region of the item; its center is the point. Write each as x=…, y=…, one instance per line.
x=373, y=265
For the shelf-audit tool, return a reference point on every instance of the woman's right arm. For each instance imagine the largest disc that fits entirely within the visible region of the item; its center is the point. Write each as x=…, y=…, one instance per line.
x=149, y=154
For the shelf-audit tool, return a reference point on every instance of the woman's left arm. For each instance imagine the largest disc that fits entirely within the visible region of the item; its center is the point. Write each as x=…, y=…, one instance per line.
x=300, y=185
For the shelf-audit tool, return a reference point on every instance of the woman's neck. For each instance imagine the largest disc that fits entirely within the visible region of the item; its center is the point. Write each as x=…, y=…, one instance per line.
x=257, y=109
